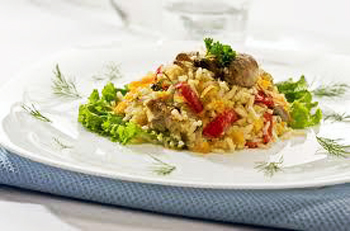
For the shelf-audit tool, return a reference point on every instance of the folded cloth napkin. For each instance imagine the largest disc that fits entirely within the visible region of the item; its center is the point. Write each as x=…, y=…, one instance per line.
x=318, y=209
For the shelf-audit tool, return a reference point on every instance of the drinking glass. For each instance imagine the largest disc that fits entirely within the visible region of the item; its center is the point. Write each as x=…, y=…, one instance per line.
x=201, y=18
x=187, y=19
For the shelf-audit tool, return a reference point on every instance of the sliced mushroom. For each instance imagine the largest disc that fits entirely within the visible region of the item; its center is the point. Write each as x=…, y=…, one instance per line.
x=242, y=71
x=280, y=111
x=209, y=64
x=157, y=114
x=183, y=57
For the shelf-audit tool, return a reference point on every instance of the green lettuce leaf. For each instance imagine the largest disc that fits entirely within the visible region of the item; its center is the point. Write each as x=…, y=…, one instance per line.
x=294, y=90
x=303, y=110
x=97, y=116
x=109, y=92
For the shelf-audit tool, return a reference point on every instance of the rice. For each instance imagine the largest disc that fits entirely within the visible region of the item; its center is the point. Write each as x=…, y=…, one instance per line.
x=184, y=128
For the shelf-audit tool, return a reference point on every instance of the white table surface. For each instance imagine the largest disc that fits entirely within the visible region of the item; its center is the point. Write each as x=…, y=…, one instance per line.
x=30, y=32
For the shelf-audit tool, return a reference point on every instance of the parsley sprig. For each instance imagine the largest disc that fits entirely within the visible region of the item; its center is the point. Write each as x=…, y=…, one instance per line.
x=223, y=54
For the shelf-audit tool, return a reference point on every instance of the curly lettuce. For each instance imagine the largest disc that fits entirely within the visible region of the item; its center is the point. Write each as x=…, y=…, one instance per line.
x=97, y=116
x=304, y=111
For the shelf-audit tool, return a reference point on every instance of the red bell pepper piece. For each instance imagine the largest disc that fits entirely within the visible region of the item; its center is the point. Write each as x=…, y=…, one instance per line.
x=267, y=136
x=190, y=96
x=261, y=97
x=159, y=70
x=220, y=124
x=251, y=144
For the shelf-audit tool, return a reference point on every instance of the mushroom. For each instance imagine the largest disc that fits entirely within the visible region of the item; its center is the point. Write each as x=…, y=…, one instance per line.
x=243, y=71
x=280, y=111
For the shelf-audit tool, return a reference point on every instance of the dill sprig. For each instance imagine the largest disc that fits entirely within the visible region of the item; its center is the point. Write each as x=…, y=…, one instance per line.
x=331, y=90
x=60, y=144
x=333, y=147
x=111, y=72
x=270, y=167
x=63, y=86
x=337, y=117
x=160, y=167
x=32, y=110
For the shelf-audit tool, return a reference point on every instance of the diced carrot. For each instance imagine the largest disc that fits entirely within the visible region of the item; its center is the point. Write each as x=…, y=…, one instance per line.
x=203, y=147
x=120, y=108
x=143, y=82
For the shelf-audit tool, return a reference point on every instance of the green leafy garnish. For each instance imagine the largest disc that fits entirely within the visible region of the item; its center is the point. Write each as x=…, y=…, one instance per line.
x=160, y=167
x=123, y=90
x=64, y=87
x=111, y=72
x=304, y=111
x=130, y=132
x=302, y=116
x=223, y=54
x=331, y=90
x=333, y=147
x=97, y=116
x=337, y=117
x=60, y=144
x=269, y=168
x=294, y=90
x=32, y=110
x=109, y=92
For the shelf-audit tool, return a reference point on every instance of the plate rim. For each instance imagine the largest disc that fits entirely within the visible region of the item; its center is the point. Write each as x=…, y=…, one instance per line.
x=10, y=147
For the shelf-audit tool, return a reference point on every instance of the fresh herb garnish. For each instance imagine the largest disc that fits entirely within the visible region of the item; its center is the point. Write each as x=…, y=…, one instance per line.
x=60, y=144
x=35, y=113
x=222, y=53
x=337, y=117
x=270, y=167
x=64, y=87
x=297, y=93
x=111, y=72
x=161, y=168
x=98, y=116
x=331, y=90
x=333, y=147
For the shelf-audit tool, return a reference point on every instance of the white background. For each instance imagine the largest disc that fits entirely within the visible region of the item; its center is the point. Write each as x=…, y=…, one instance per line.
x=31, y=30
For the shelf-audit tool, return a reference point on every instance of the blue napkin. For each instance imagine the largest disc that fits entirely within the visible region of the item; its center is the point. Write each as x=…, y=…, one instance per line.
x=316, y=209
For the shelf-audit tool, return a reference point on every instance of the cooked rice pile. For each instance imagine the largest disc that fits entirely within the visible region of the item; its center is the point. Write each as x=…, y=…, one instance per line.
x=155, y=104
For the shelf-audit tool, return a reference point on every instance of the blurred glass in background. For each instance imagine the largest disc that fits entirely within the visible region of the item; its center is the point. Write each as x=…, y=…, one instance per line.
x=290, y=24
x=181, y=19
x=199, y=18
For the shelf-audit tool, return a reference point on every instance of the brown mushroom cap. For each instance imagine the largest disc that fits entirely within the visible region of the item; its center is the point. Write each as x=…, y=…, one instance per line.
x=280, y=111
x=243, y=71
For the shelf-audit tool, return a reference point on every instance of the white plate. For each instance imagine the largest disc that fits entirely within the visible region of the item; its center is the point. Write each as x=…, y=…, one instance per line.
x=304, y=165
